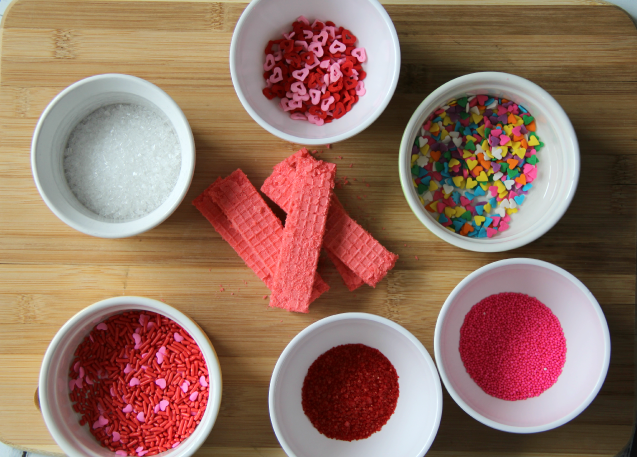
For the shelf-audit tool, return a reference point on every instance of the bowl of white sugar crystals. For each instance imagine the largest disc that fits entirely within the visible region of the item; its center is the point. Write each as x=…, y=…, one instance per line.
x=113, y=156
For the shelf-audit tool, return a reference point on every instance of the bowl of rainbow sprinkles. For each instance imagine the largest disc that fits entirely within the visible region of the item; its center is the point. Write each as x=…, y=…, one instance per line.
x=489, y=162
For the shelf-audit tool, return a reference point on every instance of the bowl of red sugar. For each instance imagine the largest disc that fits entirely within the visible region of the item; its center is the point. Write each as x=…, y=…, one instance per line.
x=355, y=385
x=522, y=345
x=130, y=376
x=371, y=29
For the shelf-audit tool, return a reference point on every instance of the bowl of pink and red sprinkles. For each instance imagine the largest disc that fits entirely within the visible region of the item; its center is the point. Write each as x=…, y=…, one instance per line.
x=489, y=162
x=315, y=72
x=522, y=345
x=355, y=385
x=130, y=376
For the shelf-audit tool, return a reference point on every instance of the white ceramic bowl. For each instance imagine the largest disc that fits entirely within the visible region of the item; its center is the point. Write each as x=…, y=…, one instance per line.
x=265, y=20
x=409, y=431
x=558, y=169
x=59, y=417
x=587, y=345
x=58, y=121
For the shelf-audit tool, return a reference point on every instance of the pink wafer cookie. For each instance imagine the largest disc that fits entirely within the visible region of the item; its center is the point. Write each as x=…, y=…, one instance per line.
x=344, y=238
x=211, y=211
x=303, y=235
x=278, y=187
x=255, y=221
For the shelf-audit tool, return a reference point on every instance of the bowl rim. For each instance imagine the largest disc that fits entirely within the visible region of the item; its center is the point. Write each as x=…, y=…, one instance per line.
x=319, y=141
x=467, y=243
x=202, y=340
x=134, y=227
x=441, y=366
x=342, y=317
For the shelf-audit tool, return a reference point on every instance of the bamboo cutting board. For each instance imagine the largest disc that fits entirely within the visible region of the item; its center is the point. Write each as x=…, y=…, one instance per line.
x=583, y=52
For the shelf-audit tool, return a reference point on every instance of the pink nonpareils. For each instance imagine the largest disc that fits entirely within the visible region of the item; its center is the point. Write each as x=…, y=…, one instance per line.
x=512, y=346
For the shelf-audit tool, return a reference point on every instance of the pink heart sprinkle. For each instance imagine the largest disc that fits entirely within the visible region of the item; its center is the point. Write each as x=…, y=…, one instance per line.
x=163, y=405
x=143, y=319
x=289, y=36
x=360, y=54
x=176, y=444
x=72, y=384
x=269, y=62
x=81, y=372
x=140, y=416
x=139, y=449
x=112, y=392
x=133, y=382
x=277, y=75
x=503, y=226
x=76, y=367
x=128, y=409
x=160, y=358
x=116, y=436
x=316, y=48
x=102, y=326
x=325, y=104
x=137, y=339
x=321, y=37
x=121, y=452
x=335, y=73
x=128, y=368
x=161, y=382
x=178, y=337
x=496, y=220
x=184, y=386
x=493, y=190
x=360, y=88
x=504, y=140
x=156, y=409
x=89, y=381
x=337, y=46
x=465, y=201
x=203, y=382
x=78, y=383
x=194, y=395
x=300, y=74
x=162, y=350
x=102, y=420
x=491, y=232
x=298, y=117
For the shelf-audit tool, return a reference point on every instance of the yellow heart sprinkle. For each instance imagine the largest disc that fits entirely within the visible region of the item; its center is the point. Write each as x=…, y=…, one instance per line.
x=434, y=128
x=533, y=141
x=460, y=211
x=487, y=208
x=479, y=220
x=515, y=144
x=466, y=154
x=425, y=150
x=458, y=181
x=482, y=177
x=508, y=129
x=421, y=200
x=511, y=210
x=480, y=131
x=476, y=118
x=503, y=194
x=472, y=138
x=453, y=163
x=433, y=186
x=471, y=164
x=446, y=121
x=444, y=134
x=485, y=185
x=500, y=185
x=449, y=211
x=520, y=152
x=471, y=183
x=434, y=207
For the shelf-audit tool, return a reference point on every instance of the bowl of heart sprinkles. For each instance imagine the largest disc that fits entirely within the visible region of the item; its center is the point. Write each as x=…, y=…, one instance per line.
x=522, y=346
x=355, y=385
x=320, y=76
x=489, y=162
x=130, y=376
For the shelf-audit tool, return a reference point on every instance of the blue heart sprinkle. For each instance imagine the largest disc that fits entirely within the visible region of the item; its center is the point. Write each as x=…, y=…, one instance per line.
x=519, y=199
x=426, y=180
x=422, y=172
x=455, y=195
x=442, y=219
x=479, y=192
x=527, y=187
x=480, y=210
x=493, y=202
x=467, y=131
x=487, y=222
x=483, y=233
x=457, y=224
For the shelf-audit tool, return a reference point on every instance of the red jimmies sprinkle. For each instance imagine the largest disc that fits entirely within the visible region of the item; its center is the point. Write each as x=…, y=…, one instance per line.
x=512, y=346
x=350, y=392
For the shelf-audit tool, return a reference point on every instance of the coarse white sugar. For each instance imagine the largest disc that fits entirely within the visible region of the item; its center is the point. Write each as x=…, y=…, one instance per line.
x=122, y=161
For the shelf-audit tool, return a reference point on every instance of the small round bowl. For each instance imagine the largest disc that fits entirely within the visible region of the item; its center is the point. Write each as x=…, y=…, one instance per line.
x=59, y=119
x=558, y=169
x=59, y=417
x=587, y=345
x=409, y=431
x=265, y=20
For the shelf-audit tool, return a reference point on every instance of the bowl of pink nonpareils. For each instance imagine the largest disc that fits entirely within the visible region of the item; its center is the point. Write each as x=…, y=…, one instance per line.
x=314, y=72
x=130, y=376
x=522, y=346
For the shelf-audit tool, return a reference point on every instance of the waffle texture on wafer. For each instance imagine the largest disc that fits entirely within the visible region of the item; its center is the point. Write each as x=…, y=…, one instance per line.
x=311, y=191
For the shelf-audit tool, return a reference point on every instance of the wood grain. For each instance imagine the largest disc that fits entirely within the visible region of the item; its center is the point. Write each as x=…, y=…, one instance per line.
x=583, y=52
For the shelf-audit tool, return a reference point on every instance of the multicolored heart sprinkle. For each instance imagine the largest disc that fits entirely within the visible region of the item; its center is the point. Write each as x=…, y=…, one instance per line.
x=473, y=163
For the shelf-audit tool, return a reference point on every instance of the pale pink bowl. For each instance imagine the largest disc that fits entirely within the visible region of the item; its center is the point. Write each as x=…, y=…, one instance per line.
x=587, y=345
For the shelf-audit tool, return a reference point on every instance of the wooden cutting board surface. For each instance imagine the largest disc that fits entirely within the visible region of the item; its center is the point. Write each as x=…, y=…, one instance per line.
x=583, y=52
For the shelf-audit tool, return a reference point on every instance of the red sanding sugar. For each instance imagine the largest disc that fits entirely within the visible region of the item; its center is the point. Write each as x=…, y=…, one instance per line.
x=140, y=383
x=512, y=346
x=350, y=392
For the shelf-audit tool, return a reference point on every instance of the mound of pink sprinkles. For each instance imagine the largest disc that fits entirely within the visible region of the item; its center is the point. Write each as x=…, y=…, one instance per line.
x=512, y=346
